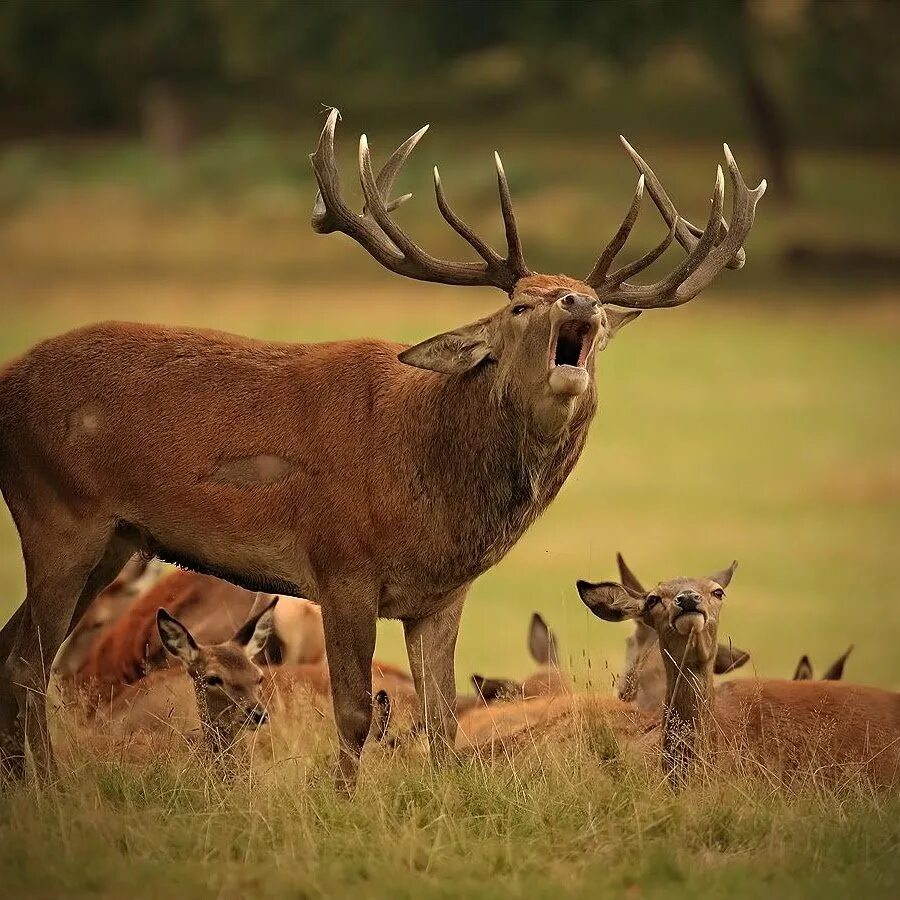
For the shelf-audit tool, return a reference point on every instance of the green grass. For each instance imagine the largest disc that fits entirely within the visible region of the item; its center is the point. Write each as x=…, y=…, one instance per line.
x=759, y=423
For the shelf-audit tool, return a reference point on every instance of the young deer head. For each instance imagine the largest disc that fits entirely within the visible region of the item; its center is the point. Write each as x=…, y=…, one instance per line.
x=684, y=614
x=543, y=343
x=643, y=677
x=226, y=680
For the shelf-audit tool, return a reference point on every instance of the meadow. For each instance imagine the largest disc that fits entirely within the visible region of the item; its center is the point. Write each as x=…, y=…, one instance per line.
x=759, y=423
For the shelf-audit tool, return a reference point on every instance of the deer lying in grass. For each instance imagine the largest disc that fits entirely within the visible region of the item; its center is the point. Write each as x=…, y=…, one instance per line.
x=643, y=677
x=378, y=480
x=130, y=647
x=828, y=728
x=547, y=680
x=221, y=695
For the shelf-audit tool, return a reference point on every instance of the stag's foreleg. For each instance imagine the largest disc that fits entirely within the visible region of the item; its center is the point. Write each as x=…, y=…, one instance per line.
x=431, y=647
x=68, y=562
x=349, y=615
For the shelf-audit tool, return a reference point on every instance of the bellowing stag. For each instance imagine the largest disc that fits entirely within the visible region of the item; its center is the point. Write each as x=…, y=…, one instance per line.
x=376, y=479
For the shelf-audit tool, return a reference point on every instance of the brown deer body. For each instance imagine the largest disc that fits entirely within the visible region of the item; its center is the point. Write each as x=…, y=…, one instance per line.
x=377, y=480
x=826, y=729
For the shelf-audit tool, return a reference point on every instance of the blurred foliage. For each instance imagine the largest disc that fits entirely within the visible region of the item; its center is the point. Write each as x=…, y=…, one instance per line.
x=98, y=64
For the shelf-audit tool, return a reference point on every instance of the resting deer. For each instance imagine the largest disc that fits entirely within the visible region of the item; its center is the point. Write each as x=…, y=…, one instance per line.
x=643, y=678
x=546, y=680
x=376, y=479
x=794, y=727
x=221, y=693
x=212, y=609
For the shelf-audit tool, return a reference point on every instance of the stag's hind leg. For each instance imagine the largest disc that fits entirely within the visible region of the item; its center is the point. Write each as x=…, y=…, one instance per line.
x=67, y=562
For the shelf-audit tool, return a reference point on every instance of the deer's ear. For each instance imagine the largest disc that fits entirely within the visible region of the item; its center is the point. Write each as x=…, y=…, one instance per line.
x=724, y=577
x=629, y=579
x=453, y=352
x=835, y=671
x=804, y=670
x=610, y=601
x=255, y=632
x=729, y=658
x=542, y=643
x=619, y=318
x=176, y=638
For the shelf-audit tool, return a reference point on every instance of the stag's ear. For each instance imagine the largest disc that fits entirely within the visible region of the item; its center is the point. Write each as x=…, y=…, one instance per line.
x=176, y=638
x=619, y=318
x=835, y=671
x=729, y=658
x=724, y=577
x=255, y=632
x=542, y=643
x=629, y=579
x=804, y=670
x=492, y=689
x=451, y=353
x=610, y=601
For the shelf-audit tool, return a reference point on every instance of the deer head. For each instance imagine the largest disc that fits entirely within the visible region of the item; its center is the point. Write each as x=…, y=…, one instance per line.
x=226, y=680
x=543, y=343
x=683, y=612
x=643, y=677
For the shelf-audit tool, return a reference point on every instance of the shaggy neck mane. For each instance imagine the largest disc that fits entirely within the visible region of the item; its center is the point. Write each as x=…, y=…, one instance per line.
x=518, y=470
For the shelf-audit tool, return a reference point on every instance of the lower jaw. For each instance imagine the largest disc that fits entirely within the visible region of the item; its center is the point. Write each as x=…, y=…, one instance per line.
x=568, y=381
x=686, y=624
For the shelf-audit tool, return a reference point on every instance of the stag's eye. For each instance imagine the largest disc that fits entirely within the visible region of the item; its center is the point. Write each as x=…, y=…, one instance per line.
x=651, y=601
x=520, y=308
x=213, y=681
x=719, y=594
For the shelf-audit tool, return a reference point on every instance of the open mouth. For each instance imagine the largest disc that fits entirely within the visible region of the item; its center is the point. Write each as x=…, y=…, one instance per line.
x=572, y=344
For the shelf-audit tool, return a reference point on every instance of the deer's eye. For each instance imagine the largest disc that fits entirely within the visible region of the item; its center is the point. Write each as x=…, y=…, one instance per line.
x=719, y=594
x=520, y=308
x=213, y=681
x=651, y=601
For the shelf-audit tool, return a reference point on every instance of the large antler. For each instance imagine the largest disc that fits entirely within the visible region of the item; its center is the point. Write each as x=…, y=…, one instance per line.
x=377, y=233
x=717, y=246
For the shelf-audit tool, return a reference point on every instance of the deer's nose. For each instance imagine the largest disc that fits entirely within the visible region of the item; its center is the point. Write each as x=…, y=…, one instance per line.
x=688, y=601
x=579, y=305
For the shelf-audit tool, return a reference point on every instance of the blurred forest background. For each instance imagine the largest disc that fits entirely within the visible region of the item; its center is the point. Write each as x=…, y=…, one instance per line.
x=153, y=166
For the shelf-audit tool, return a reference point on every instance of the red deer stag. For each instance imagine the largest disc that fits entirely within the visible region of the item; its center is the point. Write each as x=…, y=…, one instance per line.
x=374, y=478
x=826, y=728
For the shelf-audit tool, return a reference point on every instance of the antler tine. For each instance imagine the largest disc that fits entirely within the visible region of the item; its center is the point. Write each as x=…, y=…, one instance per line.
x=708, y=256
x=686, y=233
x=743, y=214
x=617, y=242
x=391, y=169
x=625, y=272
x=515, y=258
x=379, y=235
x=481, y=247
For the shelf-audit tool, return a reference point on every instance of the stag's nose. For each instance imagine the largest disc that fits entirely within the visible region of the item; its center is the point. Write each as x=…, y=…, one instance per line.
x=580, y=305
x=258, y=716
x=688, y=601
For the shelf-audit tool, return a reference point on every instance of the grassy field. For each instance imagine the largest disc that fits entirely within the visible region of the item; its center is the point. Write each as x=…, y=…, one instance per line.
x=760, y=423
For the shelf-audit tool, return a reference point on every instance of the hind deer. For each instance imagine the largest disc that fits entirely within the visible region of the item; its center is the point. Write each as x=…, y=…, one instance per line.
x=377, y=479
x=835, y=672
x=223, y=691
x=643, y=678
x=794, y=727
